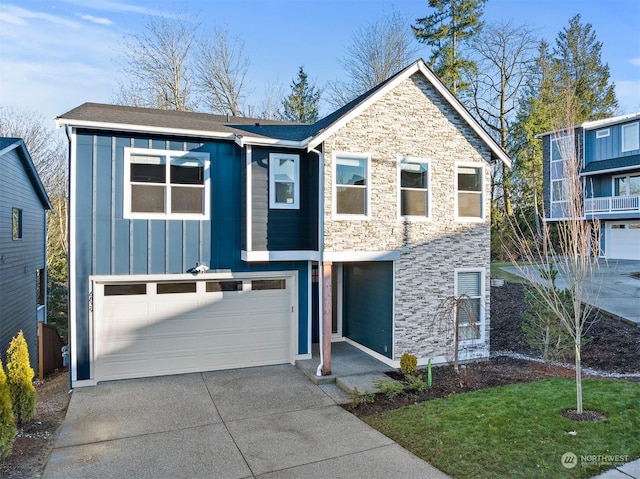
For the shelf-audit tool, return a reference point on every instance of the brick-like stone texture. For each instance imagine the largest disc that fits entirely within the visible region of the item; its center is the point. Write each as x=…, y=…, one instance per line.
x=414, y=120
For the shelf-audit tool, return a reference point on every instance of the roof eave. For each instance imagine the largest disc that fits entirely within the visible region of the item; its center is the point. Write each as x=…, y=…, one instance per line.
x=98, y=125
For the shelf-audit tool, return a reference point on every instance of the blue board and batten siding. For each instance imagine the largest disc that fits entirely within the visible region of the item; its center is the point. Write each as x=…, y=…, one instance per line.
x=284, y=229
x=605, y=148
x=106, y=243
x=20, y=259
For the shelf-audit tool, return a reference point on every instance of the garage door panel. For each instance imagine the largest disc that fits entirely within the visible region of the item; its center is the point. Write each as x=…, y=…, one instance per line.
x=623, y=241
x=141, y=335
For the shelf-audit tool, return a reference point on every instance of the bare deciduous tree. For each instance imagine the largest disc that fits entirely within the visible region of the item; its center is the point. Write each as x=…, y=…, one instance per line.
x=156, y=64
x=271, y=104
x=571, y=250
x=505, y=56
x=376, y=52
x=221, y=70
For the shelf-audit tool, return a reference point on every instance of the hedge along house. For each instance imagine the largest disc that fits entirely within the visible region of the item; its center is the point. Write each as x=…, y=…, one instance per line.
x=201, y=242
x=23, y=247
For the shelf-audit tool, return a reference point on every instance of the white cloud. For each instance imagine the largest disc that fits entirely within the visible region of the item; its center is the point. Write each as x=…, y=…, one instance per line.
x=115, y=6
x=98, y=20
x=635, y=61
x=20, y=17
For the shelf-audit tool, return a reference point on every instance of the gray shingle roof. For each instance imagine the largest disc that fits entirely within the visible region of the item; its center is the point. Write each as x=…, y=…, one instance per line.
x=623, y=162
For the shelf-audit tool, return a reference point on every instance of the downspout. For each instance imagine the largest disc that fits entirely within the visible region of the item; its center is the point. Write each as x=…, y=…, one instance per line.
x=320, y=253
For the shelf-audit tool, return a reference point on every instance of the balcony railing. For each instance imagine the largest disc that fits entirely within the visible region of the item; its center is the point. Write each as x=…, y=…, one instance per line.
x=612, y=204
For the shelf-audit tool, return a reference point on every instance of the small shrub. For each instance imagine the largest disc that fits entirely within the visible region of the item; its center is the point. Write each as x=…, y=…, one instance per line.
x=20, y=380
x=408, y=363
x=414, y=383
x=359, y=399
x=8, y=429
x=389, y=387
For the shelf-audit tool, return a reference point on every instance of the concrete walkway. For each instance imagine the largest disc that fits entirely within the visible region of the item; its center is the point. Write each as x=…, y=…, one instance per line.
x=612, y=288
x=257, y=422
x=630, y=470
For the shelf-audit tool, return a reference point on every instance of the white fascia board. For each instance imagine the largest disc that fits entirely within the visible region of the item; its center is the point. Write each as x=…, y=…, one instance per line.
x=439, y=86
x=590, y=125
x=266, y=256
x=257, y=141
x=611, y=170
x=355, y=256
x=98, y=125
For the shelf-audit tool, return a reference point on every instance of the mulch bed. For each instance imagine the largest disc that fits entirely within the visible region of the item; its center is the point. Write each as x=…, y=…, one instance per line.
x=614, y=347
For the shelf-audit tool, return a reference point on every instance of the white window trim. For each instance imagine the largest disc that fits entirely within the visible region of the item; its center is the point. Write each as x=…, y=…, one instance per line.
x=603, y=133
x=562, y=180
x=416, y=218
x=127, y=213
x=628, y=177
x=469, y=219
x=360, y=156
x=483, y=294
x=623, y=129
x=556, y=139
x=273, y=204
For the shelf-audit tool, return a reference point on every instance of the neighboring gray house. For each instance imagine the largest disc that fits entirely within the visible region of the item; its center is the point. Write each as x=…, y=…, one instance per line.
x=23, y=233
x=609, y=154
x=351, y=229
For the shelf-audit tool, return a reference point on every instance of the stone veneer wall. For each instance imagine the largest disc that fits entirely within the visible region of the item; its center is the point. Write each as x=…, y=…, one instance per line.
x=414, y=120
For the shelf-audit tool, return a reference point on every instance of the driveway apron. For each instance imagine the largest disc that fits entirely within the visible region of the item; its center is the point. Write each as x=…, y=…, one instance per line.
x=257, y=422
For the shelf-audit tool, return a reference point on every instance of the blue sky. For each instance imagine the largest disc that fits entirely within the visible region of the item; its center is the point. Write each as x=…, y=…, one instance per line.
x=55, y=55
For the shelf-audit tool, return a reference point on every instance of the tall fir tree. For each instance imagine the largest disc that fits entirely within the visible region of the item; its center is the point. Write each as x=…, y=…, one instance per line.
x=302, y=104
x=580, y=74
x=445, y=31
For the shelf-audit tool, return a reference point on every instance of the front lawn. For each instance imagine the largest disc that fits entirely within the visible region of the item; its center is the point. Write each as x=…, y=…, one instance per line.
x=517, y=431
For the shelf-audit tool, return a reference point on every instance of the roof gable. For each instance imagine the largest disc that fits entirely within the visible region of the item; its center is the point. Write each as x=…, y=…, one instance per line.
x=9, y=144
x=330, y=124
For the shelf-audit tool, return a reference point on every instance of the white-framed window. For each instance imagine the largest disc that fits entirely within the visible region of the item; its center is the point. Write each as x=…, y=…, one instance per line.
x=558, y=190
x=626, y=185
x=559, y=148
x=351, y=186
x=630, y=137
x=604, y=133
x=469, y=191
x=284, y=181
x=166, y=184
x=414, y=179
x=469, y=291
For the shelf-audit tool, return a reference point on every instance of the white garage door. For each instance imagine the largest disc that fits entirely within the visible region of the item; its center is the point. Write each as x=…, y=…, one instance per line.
x=159, y=328
x=623, y=241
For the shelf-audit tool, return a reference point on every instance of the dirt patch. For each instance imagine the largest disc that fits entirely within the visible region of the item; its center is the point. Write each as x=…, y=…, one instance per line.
x=35, y=439
x=614, y=348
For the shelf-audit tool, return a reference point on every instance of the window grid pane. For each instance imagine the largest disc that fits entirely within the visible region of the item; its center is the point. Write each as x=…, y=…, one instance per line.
x=147, y=199
x=350, y=200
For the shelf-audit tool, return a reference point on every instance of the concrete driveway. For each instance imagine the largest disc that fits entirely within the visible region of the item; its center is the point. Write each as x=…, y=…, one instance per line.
x=257, y=422
x=612, y=288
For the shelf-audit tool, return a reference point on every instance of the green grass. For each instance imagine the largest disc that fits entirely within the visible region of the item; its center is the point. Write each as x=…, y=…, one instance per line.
x=518, y=431
x=498, y=272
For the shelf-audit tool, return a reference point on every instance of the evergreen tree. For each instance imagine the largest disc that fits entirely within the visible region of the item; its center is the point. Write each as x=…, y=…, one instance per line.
x=303, y=102
x=445, y=30
x=20, y=379
x=581, y=75
x=8, y=429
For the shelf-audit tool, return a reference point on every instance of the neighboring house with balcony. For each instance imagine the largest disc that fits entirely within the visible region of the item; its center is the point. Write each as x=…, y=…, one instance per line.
x=609, y=159
x=202, y=242
x=23, y=244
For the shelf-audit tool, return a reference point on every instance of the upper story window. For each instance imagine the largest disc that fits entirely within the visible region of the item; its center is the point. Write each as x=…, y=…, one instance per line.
x=284, y=181
x=469, y=289
x=604, y=133
x=469, y=189
x=414, y=187
x=16, y=223
x=560, y=148
x=166, y=184
x=630, y=137
x=351, y=186
x=627, y=185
